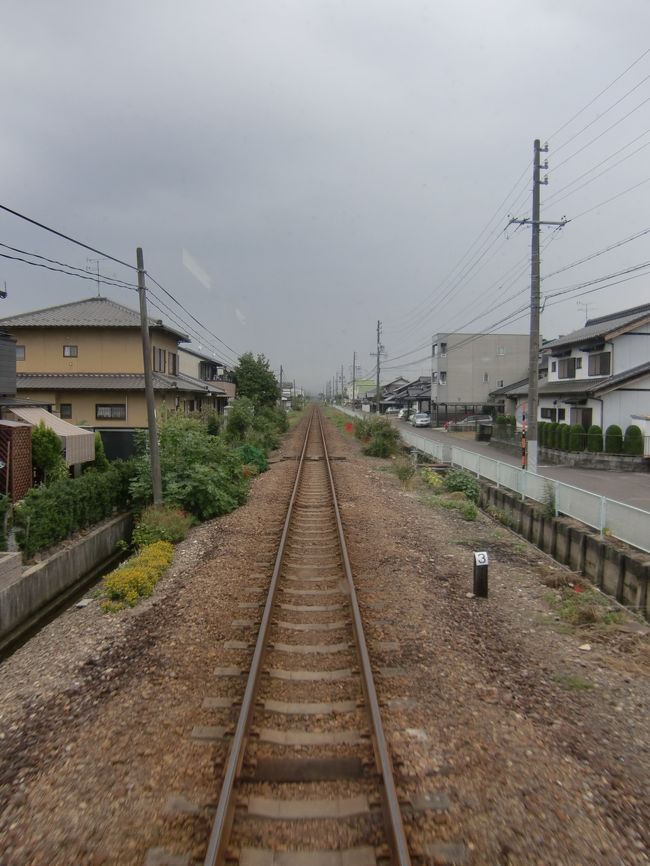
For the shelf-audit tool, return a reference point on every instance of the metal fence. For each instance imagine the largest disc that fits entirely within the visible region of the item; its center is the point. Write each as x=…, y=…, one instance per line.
x=623, y=521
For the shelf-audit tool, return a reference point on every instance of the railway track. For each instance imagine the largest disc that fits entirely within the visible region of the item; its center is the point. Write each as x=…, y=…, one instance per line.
x=309, y=780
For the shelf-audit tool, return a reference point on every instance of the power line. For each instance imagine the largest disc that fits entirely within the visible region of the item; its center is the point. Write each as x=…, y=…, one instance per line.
x=66, y=237
x=106, y=277
x=608, y=200
x=603, y=91
x=597, y=253
x=67, y=273
x=193, y=318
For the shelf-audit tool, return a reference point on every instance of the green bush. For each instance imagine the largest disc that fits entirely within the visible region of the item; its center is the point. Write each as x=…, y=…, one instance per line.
x=4, y=508
x=249, y=455
x=47, y=455
x=563, y=433
x=633, y=442
x=595, y=439
x=161, y=523
x=614, y=439
x=240, y=419
x=48, y=515
x=199, y=473
x=404, y=468
x=542, y=428
x=461, y=479
x=551, y=435
x=576, y=437
x=100, y=462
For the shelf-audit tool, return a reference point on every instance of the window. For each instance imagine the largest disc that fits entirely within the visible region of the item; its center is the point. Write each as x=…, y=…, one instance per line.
x=434, y=378
x=499, y=383
x=65, y=410
x=20, y=353
x=443, y=349
x=567, y=368
x=443, y=377
x=578, y=363
x=600, y=364
x=501, y=350
x=486, y=378
x=112, y=411
x=553, y=366
x=159, y=360
x=561, y=414
x=548, y=414
x=173, y=364
x=435, y=350
x=70, y=351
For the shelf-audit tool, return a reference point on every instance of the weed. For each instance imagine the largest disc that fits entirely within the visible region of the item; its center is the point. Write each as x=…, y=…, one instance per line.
x=580, y=605
x=572, y=681
x=161, y=523
x=405, y=470
x=502, y=516
x=432, y=478
x=466, y=508
x=461, y=479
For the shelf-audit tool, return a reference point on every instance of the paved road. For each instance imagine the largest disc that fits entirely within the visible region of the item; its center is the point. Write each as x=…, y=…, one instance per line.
x=633, y=488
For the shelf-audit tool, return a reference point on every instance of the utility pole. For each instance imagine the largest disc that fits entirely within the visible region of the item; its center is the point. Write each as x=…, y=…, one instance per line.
x=354, y=375
x=378, y=354
x=281, y=404
x=342, y=392
x=154, y=453
x=533, y=356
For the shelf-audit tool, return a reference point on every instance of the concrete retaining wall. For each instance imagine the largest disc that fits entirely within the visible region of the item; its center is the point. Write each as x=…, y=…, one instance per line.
x=30, y=589
x=625, y=575
x=600, y=460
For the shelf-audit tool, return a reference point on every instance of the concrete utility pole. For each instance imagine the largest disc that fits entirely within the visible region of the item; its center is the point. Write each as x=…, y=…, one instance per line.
x=154, y=454
x=533, y=356
x=378, y=354
x=354, y=375
x=342, y=392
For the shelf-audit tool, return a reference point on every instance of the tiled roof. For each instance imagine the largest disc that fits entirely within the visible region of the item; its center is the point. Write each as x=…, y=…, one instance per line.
x=89, y=313
x=105, y=382
x=595, y=328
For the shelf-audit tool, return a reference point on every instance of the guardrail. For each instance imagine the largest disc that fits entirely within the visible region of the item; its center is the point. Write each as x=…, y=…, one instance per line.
x=608, y=516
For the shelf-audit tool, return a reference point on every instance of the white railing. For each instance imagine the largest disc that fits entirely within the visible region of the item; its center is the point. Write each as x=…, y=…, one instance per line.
x=626, y=522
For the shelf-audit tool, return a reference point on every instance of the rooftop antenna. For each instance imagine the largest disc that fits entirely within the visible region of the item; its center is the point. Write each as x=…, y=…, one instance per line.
x=95, y=262
x=586, y=305
x=3, y=292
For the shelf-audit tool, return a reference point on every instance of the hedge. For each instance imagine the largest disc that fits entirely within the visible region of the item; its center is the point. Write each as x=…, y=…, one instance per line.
x=595, y=439
x=633, y=442
x=576, y=437
x=563, y=432
x=48, y=515
x=613, y=439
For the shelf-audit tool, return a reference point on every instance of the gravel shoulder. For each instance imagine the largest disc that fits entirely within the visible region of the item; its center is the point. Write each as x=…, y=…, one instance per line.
x=542, y=748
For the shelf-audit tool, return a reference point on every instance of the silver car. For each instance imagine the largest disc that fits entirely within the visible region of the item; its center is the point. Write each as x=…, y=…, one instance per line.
x=421, y=419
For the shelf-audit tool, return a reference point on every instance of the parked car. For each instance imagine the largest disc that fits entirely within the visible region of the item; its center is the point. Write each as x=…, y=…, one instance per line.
x=392, y=410
x=404, y=413
x=421, y=419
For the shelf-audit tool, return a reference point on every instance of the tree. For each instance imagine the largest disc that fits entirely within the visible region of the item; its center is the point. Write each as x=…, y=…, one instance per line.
x=256, y=381
x=47, y=454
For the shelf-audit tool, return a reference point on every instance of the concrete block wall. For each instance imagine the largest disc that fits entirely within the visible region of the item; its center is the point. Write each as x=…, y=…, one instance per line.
x=623, y=574
x=23, y=597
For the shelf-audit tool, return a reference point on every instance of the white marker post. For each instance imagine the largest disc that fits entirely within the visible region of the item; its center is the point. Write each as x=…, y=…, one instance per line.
x=481, y=562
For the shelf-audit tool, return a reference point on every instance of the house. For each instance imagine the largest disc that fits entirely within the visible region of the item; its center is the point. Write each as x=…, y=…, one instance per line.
x=598, y=374
x=415, y=396
x=83, y=361
x=199, y=368
x=465, y=368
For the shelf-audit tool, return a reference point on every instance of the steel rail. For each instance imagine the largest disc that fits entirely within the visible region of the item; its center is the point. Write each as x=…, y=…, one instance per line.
x=226, y=806
x=392, y=811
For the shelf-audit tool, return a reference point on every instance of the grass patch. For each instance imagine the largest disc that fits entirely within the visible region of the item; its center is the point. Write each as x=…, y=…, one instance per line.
x=573, y=681
x=464, y=507
x=581, y=605
x=161, y=523
x=501, y=516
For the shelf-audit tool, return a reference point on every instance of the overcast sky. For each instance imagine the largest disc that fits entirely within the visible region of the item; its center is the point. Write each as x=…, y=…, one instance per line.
x=296, y=170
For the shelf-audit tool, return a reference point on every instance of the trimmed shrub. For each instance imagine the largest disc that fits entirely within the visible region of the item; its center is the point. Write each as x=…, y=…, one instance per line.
x=48, y=515
x=595, y=439
x=464, y=481
x=613, y=439
x=542, y=430
x=563, y=433
x=576, y=437
x=551, y=435
x=633, y=442
x=137, y=577
x=161, y=523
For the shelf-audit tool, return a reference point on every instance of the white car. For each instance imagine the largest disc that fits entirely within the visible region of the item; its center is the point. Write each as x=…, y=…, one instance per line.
x=421, y=419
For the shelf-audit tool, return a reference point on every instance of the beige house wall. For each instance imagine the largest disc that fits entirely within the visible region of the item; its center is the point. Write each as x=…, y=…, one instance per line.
x=99, y=350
